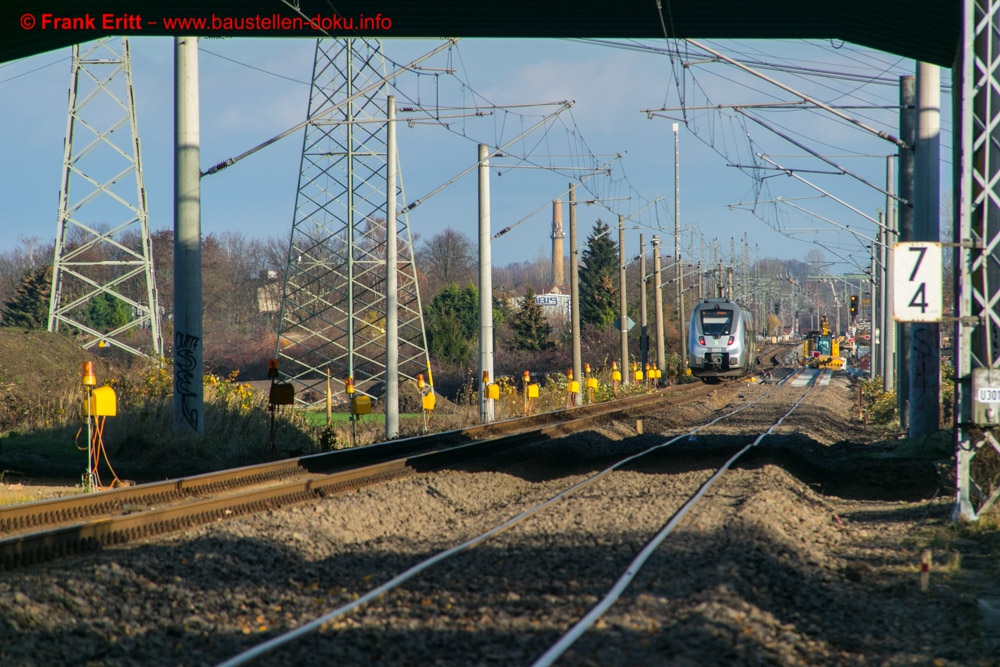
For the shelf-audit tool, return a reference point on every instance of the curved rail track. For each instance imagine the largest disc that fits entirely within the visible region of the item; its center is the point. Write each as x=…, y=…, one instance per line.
x=557, y=649
x=39, y=531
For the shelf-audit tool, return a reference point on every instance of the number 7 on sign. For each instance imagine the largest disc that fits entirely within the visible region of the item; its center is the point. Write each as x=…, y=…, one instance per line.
x=917, y=282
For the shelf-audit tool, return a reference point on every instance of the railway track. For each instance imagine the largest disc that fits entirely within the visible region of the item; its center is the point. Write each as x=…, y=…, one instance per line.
x=39, y=531
x=686, y=501
x=754, y=574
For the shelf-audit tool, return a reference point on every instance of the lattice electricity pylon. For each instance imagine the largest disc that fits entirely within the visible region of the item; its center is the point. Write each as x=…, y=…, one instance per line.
x=333, y=307
x=977, y=266
x=102, y=280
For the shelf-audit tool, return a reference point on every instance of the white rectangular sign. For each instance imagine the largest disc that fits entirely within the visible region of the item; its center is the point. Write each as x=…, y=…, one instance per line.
x=917, y=282
x=988, y=395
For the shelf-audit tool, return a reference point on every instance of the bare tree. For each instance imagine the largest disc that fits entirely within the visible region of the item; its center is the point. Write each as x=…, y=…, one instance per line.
x=15, y=263
x=448, y=257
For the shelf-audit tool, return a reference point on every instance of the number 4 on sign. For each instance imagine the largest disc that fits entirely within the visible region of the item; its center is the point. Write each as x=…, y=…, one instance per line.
x=917, y=282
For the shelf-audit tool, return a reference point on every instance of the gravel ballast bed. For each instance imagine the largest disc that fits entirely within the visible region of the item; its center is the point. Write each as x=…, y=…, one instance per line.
x=769, y=571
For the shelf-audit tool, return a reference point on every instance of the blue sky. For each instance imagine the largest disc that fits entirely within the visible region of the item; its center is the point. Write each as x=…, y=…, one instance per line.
x=253, y=89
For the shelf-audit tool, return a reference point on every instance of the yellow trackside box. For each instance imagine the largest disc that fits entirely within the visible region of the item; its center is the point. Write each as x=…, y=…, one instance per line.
x=616, y=376
x=638, y=375
x=428, y=401
x=573, y=387
x=493, y=391
x=103, y=402
x=591, y=383
x=532, y=391
x=282, y=393
x=361, y=405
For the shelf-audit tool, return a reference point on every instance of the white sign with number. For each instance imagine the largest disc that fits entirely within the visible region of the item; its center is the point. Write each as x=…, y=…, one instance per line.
x=917, y=282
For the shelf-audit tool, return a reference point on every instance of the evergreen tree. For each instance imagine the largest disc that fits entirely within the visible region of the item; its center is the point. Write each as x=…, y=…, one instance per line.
x=598, y=295
x=451, y=321
x=29, y=307
x=105, y=312
x=530, y=328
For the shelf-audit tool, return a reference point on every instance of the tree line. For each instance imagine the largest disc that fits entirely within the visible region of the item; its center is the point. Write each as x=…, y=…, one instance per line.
x=242, y=278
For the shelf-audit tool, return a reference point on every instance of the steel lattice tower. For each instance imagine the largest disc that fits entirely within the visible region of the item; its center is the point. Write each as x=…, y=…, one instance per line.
x=333, y=307
x=102, y=279
x=977, y=267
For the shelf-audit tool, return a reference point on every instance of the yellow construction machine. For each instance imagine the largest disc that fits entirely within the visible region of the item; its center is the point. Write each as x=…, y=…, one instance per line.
x=821, y=349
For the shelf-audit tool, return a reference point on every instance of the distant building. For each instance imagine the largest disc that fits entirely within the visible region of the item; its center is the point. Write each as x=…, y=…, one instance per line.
x=554, y=304
x=268, y=292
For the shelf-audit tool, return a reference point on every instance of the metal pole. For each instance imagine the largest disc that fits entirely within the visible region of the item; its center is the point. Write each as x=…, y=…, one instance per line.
x=883, y=277
x=391, y=282
x=574, y=288
x=701, y=282
x=485, y=286
x=351, y=219
x=661, y=354
x=907, y=132
x=677, y=249
x=925, y=346
x=623, y=316
x=643, y=330
x=872, y=290
x=889, y=337
x=189, y=394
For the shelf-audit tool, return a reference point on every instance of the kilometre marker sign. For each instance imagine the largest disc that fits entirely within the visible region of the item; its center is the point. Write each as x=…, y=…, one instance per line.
x=917, y=282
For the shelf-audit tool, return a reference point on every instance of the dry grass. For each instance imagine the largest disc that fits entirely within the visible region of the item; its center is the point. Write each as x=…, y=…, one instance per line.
x=15, y=494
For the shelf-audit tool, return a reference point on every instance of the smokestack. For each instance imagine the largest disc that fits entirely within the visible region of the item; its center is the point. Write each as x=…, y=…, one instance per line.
x=557, y=244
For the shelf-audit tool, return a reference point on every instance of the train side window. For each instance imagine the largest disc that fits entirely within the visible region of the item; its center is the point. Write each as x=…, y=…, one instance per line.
x=716, y=322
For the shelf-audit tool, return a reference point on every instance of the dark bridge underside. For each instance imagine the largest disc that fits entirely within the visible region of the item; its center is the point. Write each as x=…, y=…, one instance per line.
x=927, y=30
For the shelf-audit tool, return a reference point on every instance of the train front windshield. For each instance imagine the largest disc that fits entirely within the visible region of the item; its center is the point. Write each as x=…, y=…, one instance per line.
x=716, y=322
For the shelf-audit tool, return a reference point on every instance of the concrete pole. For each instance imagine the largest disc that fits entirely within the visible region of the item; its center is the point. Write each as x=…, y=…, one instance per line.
x=677, y=249
x=574, y=288
x=189, y=368
x=643, y=328
x=391, y=283
x=623, y=315
x=889, y=337
x=908, y=133
x=558, y=275
x=485, y=286
x=925, y=345
x=661, y=353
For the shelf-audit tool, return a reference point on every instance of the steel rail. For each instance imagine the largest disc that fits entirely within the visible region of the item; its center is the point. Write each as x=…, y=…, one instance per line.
x=573, y=634
x=260, y=650
x=124, y=500
x=290, y=481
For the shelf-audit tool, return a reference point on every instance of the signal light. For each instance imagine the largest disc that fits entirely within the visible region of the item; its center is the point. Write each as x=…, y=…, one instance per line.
x=854, y=305
x=89, y=378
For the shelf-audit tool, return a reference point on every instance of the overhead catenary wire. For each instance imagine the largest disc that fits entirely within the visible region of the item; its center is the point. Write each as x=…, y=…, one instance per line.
x=500, y=149
x=879, y=133
x=791, y=172
x=322, y=112
x=819, y=156
x=606, y=166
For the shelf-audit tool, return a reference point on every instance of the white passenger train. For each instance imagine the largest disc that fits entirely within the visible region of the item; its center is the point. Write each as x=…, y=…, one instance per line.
x=722, y=340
